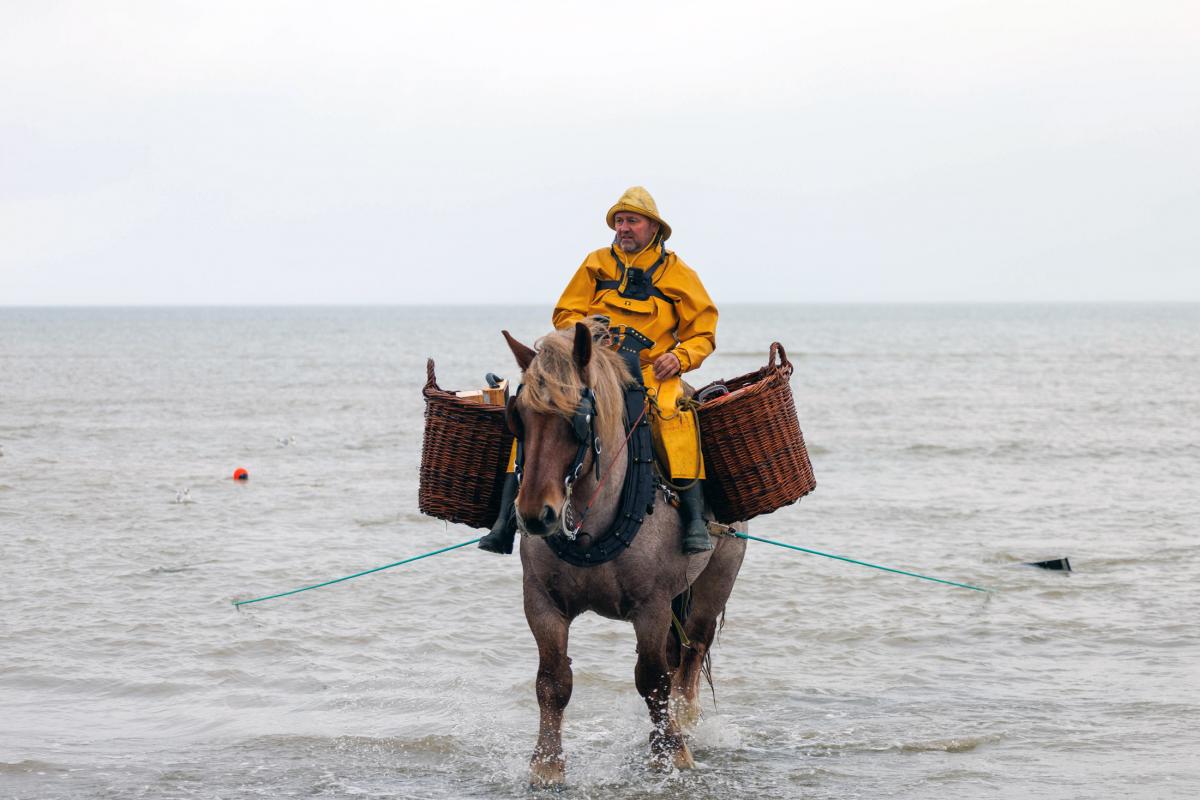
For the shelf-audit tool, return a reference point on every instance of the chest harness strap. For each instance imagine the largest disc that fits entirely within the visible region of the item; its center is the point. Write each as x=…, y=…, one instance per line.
x=635, y=283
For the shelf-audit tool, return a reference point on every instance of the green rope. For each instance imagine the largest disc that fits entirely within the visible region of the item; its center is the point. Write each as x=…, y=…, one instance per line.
x=239, y=603
x=678, y=626
x=860, y=563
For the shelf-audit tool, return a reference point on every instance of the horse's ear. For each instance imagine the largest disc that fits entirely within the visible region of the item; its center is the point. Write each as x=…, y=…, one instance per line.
x=524, y=354
x=583, y=346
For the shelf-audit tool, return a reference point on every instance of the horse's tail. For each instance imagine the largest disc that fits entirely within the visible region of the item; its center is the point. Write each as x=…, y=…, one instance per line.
x=706, y=665
x=681, y=608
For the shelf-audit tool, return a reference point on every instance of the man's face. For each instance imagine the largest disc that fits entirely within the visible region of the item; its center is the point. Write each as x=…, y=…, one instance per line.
x=634, y=231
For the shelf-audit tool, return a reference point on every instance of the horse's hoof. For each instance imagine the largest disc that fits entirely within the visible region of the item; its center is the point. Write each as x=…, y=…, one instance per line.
x=674, y=759
x=669, y=751
x=547, y=773
x=683, y=758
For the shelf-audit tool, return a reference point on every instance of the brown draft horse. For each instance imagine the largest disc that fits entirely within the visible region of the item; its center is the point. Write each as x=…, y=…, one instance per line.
x=638, y=585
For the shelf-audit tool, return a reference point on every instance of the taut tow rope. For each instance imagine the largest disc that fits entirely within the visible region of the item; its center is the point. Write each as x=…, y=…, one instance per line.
x=856, y=561
x=240, y=603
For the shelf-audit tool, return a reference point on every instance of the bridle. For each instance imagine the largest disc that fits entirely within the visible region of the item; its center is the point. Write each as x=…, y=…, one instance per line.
x=583, y=426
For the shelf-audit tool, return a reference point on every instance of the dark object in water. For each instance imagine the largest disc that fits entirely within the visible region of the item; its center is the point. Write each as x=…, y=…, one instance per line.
x=1061, y=564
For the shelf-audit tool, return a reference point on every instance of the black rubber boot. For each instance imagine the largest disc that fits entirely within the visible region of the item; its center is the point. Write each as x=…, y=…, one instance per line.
x=500, y=538
x=695, y=528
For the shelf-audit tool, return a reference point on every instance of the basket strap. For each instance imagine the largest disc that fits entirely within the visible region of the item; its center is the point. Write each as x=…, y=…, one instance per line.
x=778, y=354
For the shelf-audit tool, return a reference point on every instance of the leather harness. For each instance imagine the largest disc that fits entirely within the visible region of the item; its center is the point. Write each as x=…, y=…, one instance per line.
x=635, y=283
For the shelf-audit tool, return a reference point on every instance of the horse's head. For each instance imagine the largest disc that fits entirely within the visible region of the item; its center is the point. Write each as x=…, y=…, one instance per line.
x=570, y=397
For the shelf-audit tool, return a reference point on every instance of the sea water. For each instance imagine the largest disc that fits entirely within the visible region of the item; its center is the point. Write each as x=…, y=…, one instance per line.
x=956, y=441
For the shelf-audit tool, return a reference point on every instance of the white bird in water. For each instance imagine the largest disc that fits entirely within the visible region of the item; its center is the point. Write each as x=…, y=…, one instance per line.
x=184, y=496
x=284, y=442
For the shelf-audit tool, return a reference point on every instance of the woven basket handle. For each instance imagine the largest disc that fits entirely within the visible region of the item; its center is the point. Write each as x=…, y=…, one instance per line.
x=430, y=378
x=777, y=359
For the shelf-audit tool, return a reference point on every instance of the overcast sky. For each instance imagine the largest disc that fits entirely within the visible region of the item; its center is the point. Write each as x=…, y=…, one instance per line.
x=289, y=152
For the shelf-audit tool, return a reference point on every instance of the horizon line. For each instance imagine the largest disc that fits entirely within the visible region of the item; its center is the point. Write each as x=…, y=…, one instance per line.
x=8, y=306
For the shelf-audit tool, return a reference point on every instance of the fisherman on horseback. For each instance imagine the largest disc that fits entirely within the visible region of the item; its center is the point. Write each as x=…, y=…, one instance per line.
x=637, y=283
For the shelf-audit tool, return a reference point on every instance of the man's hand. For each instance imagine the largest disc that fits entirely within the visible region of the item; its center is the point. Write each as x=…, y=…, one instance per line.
x=665, y=366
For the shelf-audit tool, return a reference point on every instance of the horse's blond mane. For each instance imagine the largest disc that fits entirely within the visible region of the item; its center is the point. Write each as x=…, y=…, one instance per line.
x=553, y=385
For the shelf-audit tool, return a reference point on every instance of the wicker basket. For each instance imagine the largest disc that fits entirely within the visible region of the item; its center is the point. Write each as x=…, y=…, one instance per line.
x=754, y=453
x=463, y=457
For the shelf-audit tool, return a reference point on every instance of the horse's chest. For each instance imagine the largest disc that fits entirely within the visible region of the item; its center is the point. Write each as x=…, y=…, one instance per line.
x=576, y=592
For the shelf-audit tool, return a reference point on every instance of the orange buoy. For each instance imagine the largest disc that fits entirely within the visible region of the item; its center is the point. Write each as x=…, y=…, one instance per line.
x=240, y=474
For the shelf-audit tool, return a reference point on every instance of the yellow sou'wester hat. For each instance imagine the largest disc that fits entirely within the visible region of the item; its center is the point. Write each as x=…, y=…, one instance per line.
x=639, y=201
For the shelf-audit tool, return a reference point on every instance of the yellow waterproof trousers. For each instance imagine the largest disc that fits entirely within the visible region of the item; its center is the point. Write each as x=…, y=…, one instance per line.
x=674, y=428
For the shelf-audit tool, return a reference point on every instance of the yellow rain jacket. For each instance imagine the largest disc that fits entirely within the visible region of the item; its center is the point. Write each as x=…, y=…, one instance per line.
x=684, y=324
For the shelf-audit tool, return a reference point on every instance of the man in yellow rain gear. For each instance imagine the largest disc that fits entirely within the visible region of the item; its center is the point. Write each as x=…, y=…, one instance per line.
x=639, y=283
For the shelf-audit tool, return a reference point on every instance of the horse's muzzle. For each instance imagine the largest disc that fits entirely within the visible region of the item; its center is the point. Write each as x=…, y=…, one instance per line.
x=547, y=522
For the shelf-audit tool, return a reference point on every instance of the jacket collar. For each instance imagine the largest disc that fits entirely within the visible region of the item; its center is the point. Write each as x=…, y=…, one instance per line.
x=643, y=259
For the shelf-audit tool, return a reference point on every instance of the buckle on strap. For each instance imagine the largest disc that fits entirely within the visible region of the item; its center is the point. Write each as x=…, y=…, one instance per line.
x=629, y=342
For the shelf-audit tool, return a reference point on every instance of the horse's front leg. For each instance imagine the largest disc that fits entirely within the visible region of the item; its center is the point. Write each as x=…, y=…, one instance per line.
x=667, y=747
x=554, y=683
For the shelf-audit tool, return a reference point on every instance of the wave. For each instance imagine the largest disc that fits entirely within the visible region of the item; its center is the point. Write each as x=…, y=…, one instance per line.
x=29, y=767
x=996, y=448
x=431, y=743
x=958, y=744
x=1045, y=450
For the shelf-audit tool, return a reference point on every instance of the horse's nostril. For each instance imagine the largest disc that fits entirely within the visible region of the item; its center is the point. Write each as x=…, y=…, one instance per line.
x=548, y=516
x=534, y=526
